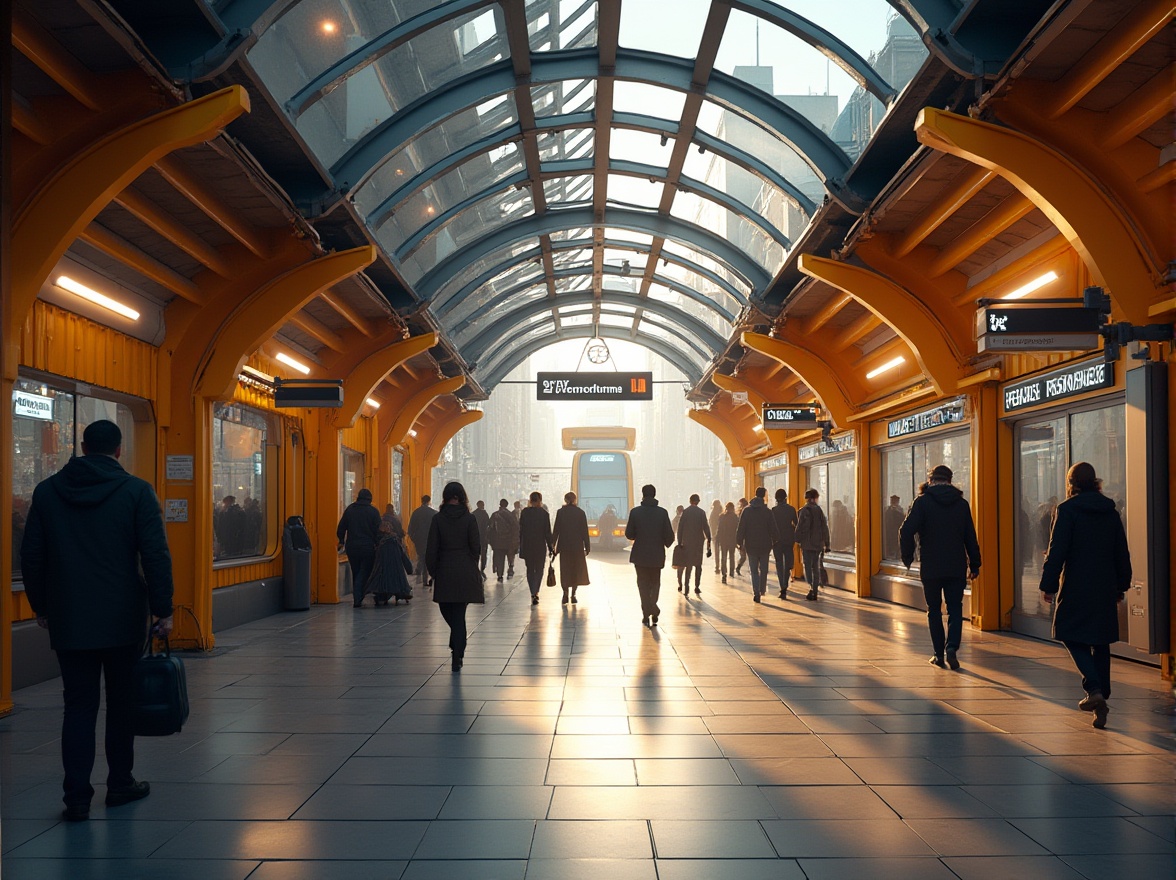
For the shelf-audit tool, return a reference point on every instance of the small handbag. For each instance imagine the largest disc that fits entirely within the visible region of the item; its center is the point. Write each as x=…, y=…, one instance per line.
x=551, y=572
x=679, y=560
x=823, y=576
x=160, y=693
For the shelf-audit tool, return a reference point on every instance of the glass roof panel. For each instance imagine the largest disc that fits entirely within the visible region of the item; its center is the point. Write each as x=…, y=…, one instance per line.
x=649, y=100
x=573, y=283
x=477, y=308
x=561, y=24
x=684, y=276
x=569, y=258
x=634, y=192
x=735, y=180
x=315, y=34
x=644, y=26
x=423, y=65
x=478, y=220
x=642, y=239
x=577, y=320
x=429, y=147
x=567, y=192
x=695, y=309
x=863, y=25
x=578, y=234
x=609, y=320
x=616, y=256
x=741, y=232
x=477, y=175
x=506, y=254
x=627, y=145
x=564, y=97
x=572, y=143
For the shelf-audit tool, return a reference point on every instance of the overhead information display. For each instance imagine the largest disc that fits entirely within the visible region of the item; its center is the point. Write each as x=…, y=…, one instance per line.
x=594, y=386
x=779, y=416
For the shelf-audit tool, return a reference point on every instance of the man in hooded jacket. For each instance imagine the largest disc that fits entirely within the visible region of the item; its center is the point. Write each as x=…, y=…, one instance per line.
x=758, y=533
x=948, y=550
x=94, y=560
x=359, y=533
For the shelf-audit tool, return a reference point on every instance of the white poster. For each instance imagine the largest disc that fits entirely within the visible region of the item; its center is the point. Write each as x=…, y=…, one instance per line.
x=32, y=406
x=175, y=510
x=180, y=467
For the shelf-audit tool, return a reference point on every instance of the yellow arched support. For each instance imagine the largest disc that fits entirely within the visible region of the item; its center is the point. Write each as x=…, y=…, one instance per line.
x=906, y=314
x=370, y=372
x=1093, y=224
x=446, y=431
x=755, y=399
x=260, y=317
x=412, y=408
x=67, y=203
x=820, y=376
x=722, y=430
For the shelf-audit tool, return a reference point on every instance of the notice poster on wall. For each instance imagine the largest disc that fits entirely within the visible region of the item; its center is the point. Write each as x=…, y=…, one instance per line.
x=181, y=467
x=175, y=510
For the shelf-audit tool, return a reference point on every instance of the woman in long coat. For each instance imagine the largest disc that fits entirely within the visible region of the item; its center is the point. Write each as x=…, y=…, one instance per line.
x=1088, y=554
x=573, y=544
x=451, y=554
x=389, y=577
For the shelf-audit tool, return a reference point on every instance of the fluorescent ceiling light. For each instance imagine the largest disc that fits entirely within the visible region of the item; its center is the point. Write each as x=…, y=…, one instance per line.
x=1033, y=285
x=290, y=362
x=759, y=428
x=374, y=404
x=67, y=283
x=889, y=365
x=411, y=432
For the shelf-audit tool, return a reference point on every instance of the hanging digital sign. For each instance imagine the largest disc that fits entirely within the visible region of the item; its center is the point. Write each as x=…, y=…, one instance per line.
x=780, y=416
x=945, y=414
x=1037, y=329
x=594, y=386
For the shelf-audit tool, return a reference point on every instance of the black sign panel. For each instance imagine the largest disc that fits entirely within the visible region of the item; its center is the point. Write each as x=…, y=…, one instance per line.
x=594, y=386
x=1037, y=320
x=933, y=418
x=779, y=416
x=1060, y=384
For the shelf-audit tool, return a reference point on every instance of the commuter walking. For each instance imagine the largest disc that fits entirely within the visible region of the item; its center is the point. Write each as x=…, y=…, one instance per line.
x=572, y=544
x=892, y=518
x=725, y=538
x=812, y=534
x=693, y=532
x=418, y=533
x=651, y=533
x=605, y=525
x=785, y=515
x=483, y=520
x=359, y=533
x=1088, y=554
x=742, y=560
x=942, y=520
x=677, y=518
x=713, y=521
x=451, y=553
x=758, y=533
x=94, y=560
x=503, y=532
x=390, y=522
x=389, y=577
x=535, y=542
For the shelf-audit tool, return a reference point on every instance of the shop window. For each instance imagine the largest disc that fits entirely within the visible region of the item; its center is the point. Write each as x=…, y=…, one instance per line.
x=1045, y=450
x=904, y=471
x=353, y=469
x=240, y=519
x=837, y=483
x=398, y=479
x=47, y=428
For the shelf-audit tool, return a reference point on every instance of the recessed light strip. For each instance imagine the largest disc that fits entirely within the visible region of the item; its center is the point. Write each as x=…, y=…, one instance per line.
x=290, y=362
x=1035, y=284
x=75, y=287
x=889, y=365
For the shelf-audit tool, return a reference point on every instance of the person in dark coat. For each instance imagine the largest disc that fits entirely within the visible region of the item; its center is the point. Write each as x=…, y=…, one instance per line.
x=388, y=579
x=785, y=516
x=892, y=518
x=812, y=534
x=359, y=533
x=418, y=533
x=95, y=561
x=504, y=539
x=451, y=553
x=725, y=538
x=713, y=521
x=535, y=543
x=693, y=532
x=942, y=520
x=742, y=560
x=605, y=525
x=841, y=534
x=483, y=520
x=651, y=533
x=758, y=533
x=572, y=545
x=231, y=527
x=1088, y=555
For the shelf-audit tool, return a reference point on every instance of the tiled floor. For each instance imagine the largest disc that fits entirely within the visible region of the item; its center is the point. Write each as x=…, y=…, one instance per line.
x=734, y=742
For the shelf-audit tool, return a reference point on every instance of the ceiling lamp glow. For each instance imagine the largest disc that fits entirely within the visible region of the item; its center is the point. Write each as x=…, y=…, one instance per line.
x=374, y=404
x=290, y=362
x=889, y=365
x=67, y=283
x=328, y=27
x=1035, y=284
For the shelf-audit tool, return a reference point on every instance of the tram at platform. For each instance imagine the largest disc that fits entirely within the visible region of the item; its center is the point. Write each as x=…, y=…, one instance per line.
x=602, y=478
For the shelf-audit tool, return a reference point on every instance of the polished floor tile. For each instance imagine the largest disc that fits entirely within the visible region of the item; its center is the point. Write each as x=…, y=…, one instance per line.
x=573, y=839
x=700, y=839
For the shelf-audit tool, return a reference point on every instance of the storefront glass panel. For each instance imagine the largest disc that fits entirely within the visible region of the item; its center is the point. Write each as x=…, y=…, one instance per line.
x=240, y=522
x=353, y=470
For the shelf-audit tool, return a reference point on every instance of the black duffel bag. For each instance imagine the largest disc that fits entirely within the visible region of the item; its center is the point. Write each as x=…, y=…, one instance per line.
x=160, y=695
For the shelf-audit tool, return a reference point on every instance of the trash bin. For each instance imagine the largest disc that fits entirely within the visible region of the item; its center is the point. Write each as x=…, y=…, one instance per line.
x=295, y=565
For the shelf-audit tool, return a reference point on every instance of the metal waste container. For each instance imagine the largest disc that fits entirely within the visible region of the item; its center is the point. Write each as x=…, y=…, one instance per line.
x=295, y=565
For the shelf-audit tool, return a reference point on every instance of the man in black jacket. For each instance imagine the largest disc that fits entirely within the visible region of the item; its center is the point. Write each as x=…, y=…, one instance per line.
x=359, y=533
x=758, y=533
x=785, y=515
x=942, y=520
x=651, y=533
x=94, y=559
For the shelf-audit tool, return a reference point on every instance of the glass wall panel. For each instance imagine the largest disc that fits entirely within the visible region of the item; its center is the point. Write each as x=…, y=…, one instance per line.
x=239, y=519
x=352, y=465
x=398, y=482
x=842, y=507
x=904, y=470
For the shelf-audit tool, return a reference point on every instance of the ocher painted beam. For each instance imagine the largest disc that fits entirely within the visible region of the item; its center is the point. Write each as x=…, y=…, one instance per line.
x=1075, y=204
x=906, y=314
x=732, y=383
x=446, y=431
x=723, y=431
x=260, y=317
x=819, y=375
x=370, y=372
x=69, y=200
x=412, y=408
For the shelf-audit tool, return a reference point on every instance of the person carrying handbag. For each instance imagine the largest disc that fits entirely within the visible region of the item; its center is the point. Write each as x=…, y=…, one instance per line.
x=812, y=534
x=535, y=542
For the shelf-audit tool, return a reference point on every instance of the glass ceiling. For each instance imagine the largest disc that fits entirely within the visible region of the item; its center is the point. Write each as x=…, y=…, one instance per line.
x=531, y=183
